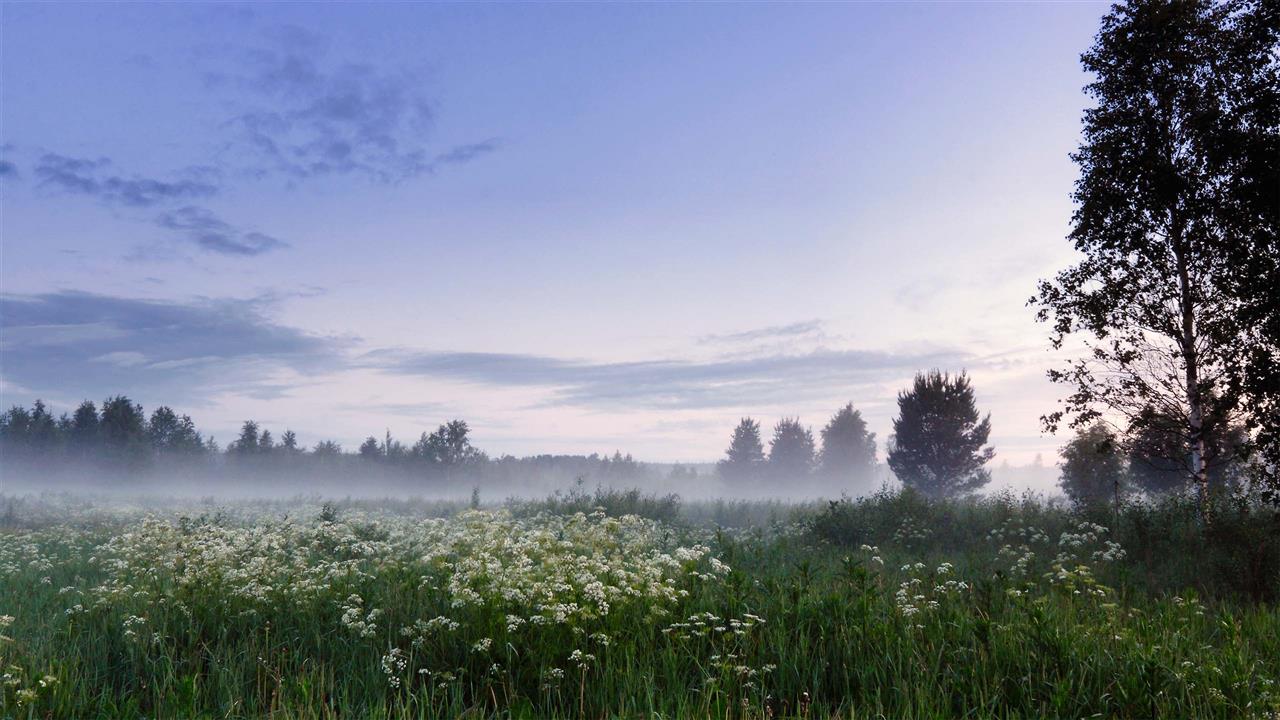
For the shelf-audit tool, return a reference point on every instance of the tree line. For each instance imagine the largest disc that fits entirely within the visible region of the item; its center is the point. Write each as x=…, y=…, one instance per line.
x=939, y=449
x=118, y=438
x=938, y=445
x=848, y=451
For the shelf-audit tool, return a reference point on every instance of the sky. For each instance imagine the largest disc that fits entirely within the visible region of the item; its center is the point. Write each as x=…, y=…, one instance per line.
x=580, y=227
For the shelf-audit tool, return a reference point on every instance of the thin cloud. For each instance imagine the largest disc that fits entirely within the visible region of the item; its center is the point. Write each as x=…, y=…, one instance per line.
x=93, y=177
x=773, y=379
x=122, y=358
x=792, y=330
x=76, y=342
x=314, y=118
x=196, y=225
x=212, y=234
x=418, y=410
x=466, y=153
x=7, y=168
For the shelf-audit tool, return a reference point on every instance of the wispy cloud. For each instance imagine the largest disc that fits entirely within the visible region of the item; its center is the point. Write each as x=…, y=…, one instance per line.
x=773, y=332
x=426, y=409
x=76, y=342
x=309, y=117
x=300, y=115
x=210, y=233
x=765, y=380
x=121, y=358
x=196, y=225
x=7, y=168
x=93, y=177
x=466, y=153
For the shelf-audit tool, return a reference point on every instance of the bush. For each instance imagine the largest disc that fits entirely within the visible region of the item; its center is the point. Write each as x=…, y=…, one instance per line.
x=1168, y=550
x=614, y=502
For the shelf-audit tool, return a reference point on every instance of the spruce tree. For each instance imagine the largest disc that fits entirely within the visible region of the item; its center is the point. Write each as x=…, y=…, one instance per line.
x=744, y=458
x=848, y=450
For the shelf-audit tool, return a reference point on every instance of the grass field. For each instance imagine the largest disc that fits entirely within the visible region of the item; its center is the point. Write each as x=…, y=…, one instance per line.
x=574, y=608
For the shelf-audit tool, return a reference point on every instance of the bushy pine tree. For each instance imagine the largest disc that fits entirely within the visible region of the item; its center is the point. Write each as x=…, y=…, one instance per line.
x=938, y=437
x=370, y=449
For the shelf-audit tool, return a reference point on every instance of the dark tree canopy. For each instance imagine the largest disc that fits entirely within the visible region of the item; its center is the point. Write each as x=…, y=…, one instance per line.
x=42, y=432
x=1176, y=217
x=370, y=448
x=938, y=437
x=84, y=427
x=449, y=446
x=791, y=451
x=123, y=429
x=1093, y=467
x=1159, y=446
x=248, y=441
x=848, y=450
x=1246, y=155
x=35, y=444
x=745, y=457
x=172, y=434
x=327, y=449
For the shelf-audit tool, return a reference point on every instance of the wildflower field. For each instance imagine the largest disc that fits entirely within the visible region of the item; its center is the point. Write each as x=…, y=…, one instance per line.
x=883, y=607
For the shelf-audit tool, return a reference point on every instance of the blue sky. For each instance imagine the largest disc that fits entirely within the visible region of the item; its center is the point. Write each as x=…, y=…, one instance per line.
x=579, y=226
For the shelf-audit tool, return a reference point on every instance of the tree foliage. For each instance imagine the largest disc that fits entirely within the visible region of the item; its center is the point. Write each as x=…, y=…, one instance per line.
x=744, y=459
x=1176, y=221
x=1159, y=448
x=450, y=445
x=848, y=450
x=1094, y=470
x=35, y=443
x=370, y=449
x=938, y=437
x=172, y=434
x=248, y=441
x=791, y=451
x=122, y=426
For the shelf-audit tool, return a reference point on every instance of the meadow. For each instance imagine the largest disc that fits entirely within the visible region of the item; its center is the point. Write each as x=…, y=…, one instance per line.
x=627, y=605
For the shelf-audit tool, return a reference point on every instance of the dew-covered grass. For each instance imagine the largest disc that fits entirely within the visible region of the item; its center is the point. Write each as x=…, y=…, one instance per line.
x=417, y=610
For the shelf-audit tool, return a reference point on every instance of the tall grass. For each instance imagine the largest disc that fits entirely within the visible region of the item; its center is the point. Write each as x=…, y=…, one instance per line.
x=885, y=607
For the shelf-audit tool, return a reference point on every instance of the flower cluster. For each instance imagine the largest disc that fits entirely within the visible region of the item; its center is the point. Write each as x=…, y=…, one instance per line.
x=1016, y=554
x=923, y=591
x=708, y=624
x=911, y=532
x=557, y=570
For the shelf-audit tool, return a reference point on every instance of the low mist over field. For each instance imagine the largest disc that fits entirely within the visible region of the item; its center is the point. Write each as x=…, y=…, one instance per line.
x=606, y=361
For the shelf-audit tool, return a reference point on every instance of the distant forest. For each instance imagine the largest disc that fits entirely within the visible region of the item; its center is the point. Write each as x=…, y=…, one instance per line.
x=118, y=439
